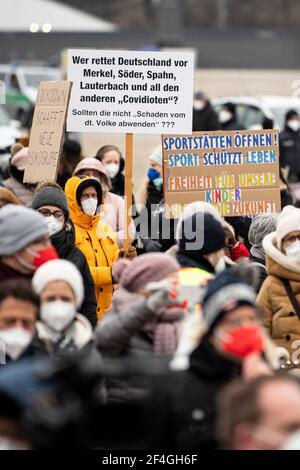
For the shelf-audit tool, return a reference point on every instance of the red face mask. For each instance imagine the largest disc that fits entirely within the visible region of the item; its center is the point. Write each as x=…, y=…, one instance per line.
x=44, y=255
x=243, y=340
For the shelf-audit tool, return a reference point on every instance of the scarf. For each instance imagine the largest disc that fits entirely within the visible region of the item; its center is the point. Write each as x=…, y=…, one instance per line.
x=166, y=330
x=163, y=329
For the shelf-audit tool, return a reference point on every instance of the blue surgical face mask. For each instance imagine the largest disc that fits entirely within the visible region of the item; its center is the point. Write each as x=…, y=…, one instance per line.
x=153, y=174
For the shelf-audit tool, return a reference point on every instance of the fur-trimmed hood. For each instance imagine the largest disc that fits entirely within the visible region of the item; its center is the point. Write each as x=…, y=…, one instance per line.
x=8, y=197
x=277, y=263
x=80, y=332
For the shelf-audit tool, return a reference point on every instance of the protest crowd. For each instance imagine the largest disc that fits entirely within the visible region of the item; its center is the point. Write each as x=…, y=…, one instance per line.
x=159, y=343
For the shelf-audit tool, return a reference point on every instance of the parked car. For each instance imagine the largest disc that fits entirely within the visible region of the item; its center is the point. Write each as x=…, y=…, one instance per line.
x=251, y=110
x=21, y=84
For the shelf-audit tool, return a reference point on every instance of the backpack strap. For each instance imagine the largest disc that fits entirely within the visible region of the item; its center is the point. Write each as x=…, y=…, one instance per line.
x=291, y=296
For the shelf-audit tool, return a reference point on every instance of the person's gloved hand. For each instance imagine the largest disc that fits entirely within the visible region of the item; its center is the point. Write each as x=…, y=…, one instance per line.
x=129, y=253
x=163, y=293
x=151, y=245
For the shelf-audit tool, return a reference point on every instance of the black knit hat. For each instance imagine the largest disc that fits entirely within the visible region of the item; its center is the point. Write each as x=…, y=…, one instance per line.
x=204, y=232
x=231, y=107
x=51, y=196
x=86, y=183
x=225, y=293
x=291, y=114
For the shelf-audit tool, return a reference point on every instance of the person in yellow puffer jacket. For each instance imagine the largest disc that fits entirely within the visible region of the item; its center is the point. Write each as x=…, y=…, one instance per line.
x=84, y=197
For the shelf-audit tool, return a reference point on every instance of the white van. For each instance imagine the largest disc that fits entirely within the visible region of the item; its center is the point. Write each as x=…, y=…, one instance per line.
x=21, y=84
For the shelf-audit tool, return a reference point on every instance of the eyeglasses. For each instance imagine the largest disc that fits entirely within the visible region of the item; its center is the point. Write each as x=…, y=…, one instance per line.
x=56, y=214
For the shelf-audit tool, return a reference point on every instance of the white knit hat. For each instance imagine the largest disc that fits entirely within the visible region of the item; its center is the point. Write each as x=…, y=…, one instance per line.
x=288, y=221
x=59, y=270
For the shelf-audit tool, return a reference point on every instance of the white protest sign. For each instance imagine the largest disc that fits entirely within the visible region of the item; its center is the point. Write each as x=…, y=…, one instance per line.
x=130, y=92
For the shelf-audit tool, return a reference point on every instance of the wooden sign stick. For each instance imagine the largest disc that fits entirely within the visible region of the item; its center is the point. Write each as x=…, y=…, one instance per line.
x=128, y=188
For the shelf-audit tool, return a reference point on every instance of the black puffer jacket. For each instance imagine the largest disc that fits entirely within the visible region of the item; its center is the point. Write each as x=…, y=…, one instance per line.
x=232, y=125
x=186, y=260
x=64, y=242
x=183, y=407
x=118, y=184
x=289, y=150
x=205, y=120
x=160, y=228
x=154, y=196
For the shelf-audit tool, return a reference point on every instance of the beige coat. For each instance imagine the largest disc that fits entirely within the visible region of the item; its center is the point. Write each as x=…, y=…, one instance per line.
x=279, y=317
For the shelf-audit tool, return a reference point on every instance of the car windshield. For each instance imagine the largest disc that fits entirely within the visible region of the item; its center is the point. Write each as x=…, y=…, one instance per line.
x=279, y=114
x=33, y=80
x=4, y=118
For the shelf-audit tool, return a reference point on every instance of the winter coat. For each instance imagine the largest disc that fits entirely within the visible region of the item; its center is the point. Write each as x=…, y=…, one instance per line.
x=186, y=261
x=183, y=404
x=7, y=197
x=100, y=250
x=279, y=317
x=77, y=336
x=118, y=184
x=153, y=197
x=231, y=125
x=130, y=327
x=205, y=120
x=135, y=333
x=289, y=151
x=113, y=214
x=23, y=192
x=261, y=269
x=160, y=228
x=33, y=351
x=64, y=243
x=194, y=276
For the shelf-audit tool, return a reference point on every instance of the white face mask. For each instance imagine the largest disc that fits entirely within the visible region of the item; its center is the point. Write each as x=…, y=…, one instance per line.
x=198, y=105
x=16, y=341
x=58, y=314
x=294, y=124
x=54, y=226
x=224, y=116
x=89, y=206
x=112, y=169
x=293, y=251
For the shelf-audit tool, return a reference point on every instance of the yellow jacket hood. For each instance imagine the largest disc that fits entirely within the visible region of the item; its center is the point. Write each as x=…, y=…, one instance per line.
x=76, y=214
